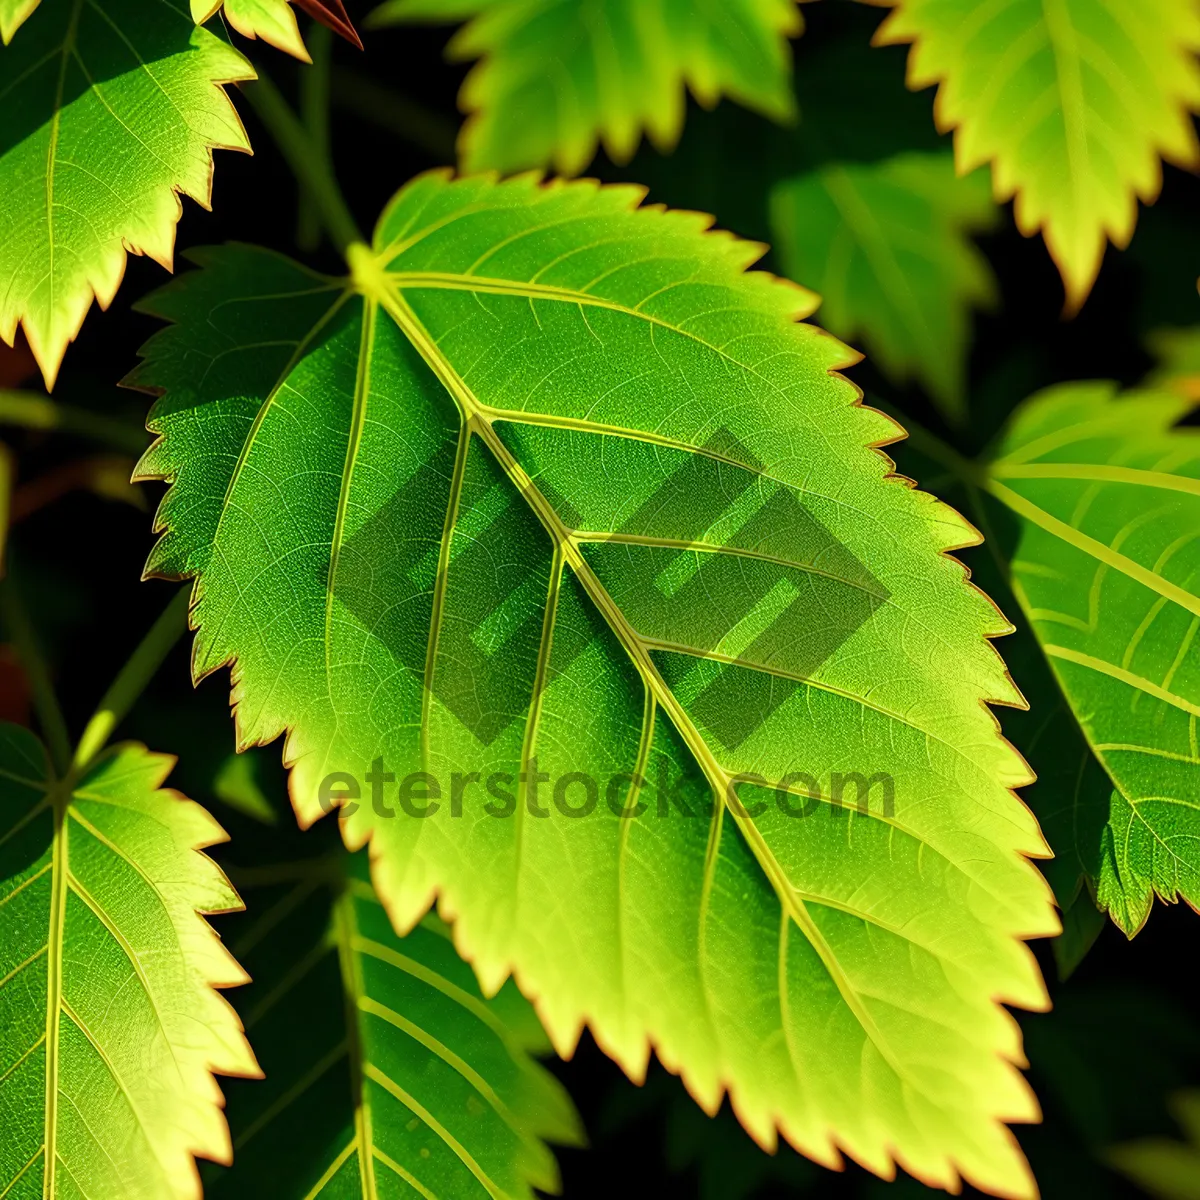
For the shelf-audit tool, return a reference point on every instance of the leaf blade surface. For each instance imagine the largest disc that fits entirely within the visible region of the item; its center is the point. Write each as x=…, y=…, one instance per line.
x=112, y=1025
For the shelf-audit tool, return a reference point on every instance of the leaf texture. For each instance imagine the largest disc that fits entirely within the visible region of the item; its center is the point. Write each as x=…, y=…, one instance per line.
x=1106, y=490
x=410, y=1082
x=109, y=1024
x=557, y=77
x=1073, y=102
x=886, y=245
x=110, y=112
x=553, y=491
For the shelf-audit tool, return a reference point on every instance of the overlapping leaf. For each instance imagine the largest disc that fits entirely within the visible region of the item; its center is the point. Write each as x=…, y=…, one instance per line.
x=109, y=1024
x=383, y=1051
x=108, y=112
x=1106, y=565
x=554, y=495
x=1073, y=102
x=886, y=246
x=557, y=77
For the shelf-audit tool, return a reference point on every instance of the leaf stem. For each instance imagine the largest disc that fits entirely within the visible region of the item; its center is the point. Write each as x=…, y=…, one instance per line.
x=133, y=677
x=929, y=444
x=45, y=703
x=307, y=163
x=31, y=411
x=395, y=113
x=314, y=113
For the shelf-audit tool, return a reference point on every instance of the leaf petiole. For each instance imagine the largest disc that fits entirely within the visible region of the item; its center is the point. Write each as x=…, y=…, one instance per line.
x=307, y=160
x=133, y=677
x=45, y=703
x=31, y=411
x=314, y=112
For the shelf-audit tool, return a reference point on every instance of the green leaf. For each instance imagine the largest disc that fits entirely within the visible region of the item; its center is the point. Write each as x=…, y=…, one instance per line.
x=1073, y=102
x=236, y=784
x=1161, y=1167
x=110, y=111
x=272, y=20
x=1083, y=923
x=382, y=1050
x=565, y=460
x=109, y=1024
x=1178, y=354
x=1106, y=566
x=886, y=246
x=558, y=76
x=14, y=14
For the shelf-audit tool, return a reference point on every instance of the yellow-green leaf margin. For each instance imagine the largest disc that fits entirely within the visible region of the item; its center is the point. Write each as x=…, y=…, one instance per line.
x=1073, y=102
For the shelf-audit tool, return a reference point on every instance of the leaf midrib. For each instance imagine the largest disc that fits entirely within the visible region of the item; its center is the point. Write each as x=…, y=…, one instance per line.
x=719, y=779
x=60, y=858
x=467, y=282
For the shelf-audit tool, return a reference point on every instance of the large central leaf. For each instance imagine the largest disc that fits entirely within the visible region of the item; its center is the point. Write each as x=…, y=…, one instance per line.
x=556, y=503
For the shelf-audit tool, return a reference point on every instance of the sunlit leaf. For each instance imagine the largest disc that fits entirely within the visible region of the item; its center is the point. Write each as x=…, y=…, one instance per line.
x=558, y=77
x=382, y=1050
x=554, y=487
x=272, y=20
x=1074, y=103
x=111, y=110
x=1106, y=566
x=109, y=1024
x=275, y=20
x=14, y=14
x=886, y=246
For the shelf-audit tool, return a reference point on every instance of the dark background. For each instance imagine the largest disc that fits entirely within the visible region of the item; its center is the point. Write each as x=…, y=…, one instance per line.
x=1124, y=1032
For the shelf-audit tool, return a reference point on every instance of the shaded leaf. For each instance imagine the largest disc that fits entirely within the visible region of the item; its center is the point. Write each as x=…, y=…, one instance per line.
x=1074, y=103
x=1161, y=1167
x=408, y=1078
x=111, y=111
x=1106, y=566
x=236, y=784
x=1178, y=354
x=557, y=77
x=886, y=246
x=109, y=1024
x=553, y=487
x=1083, y=923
